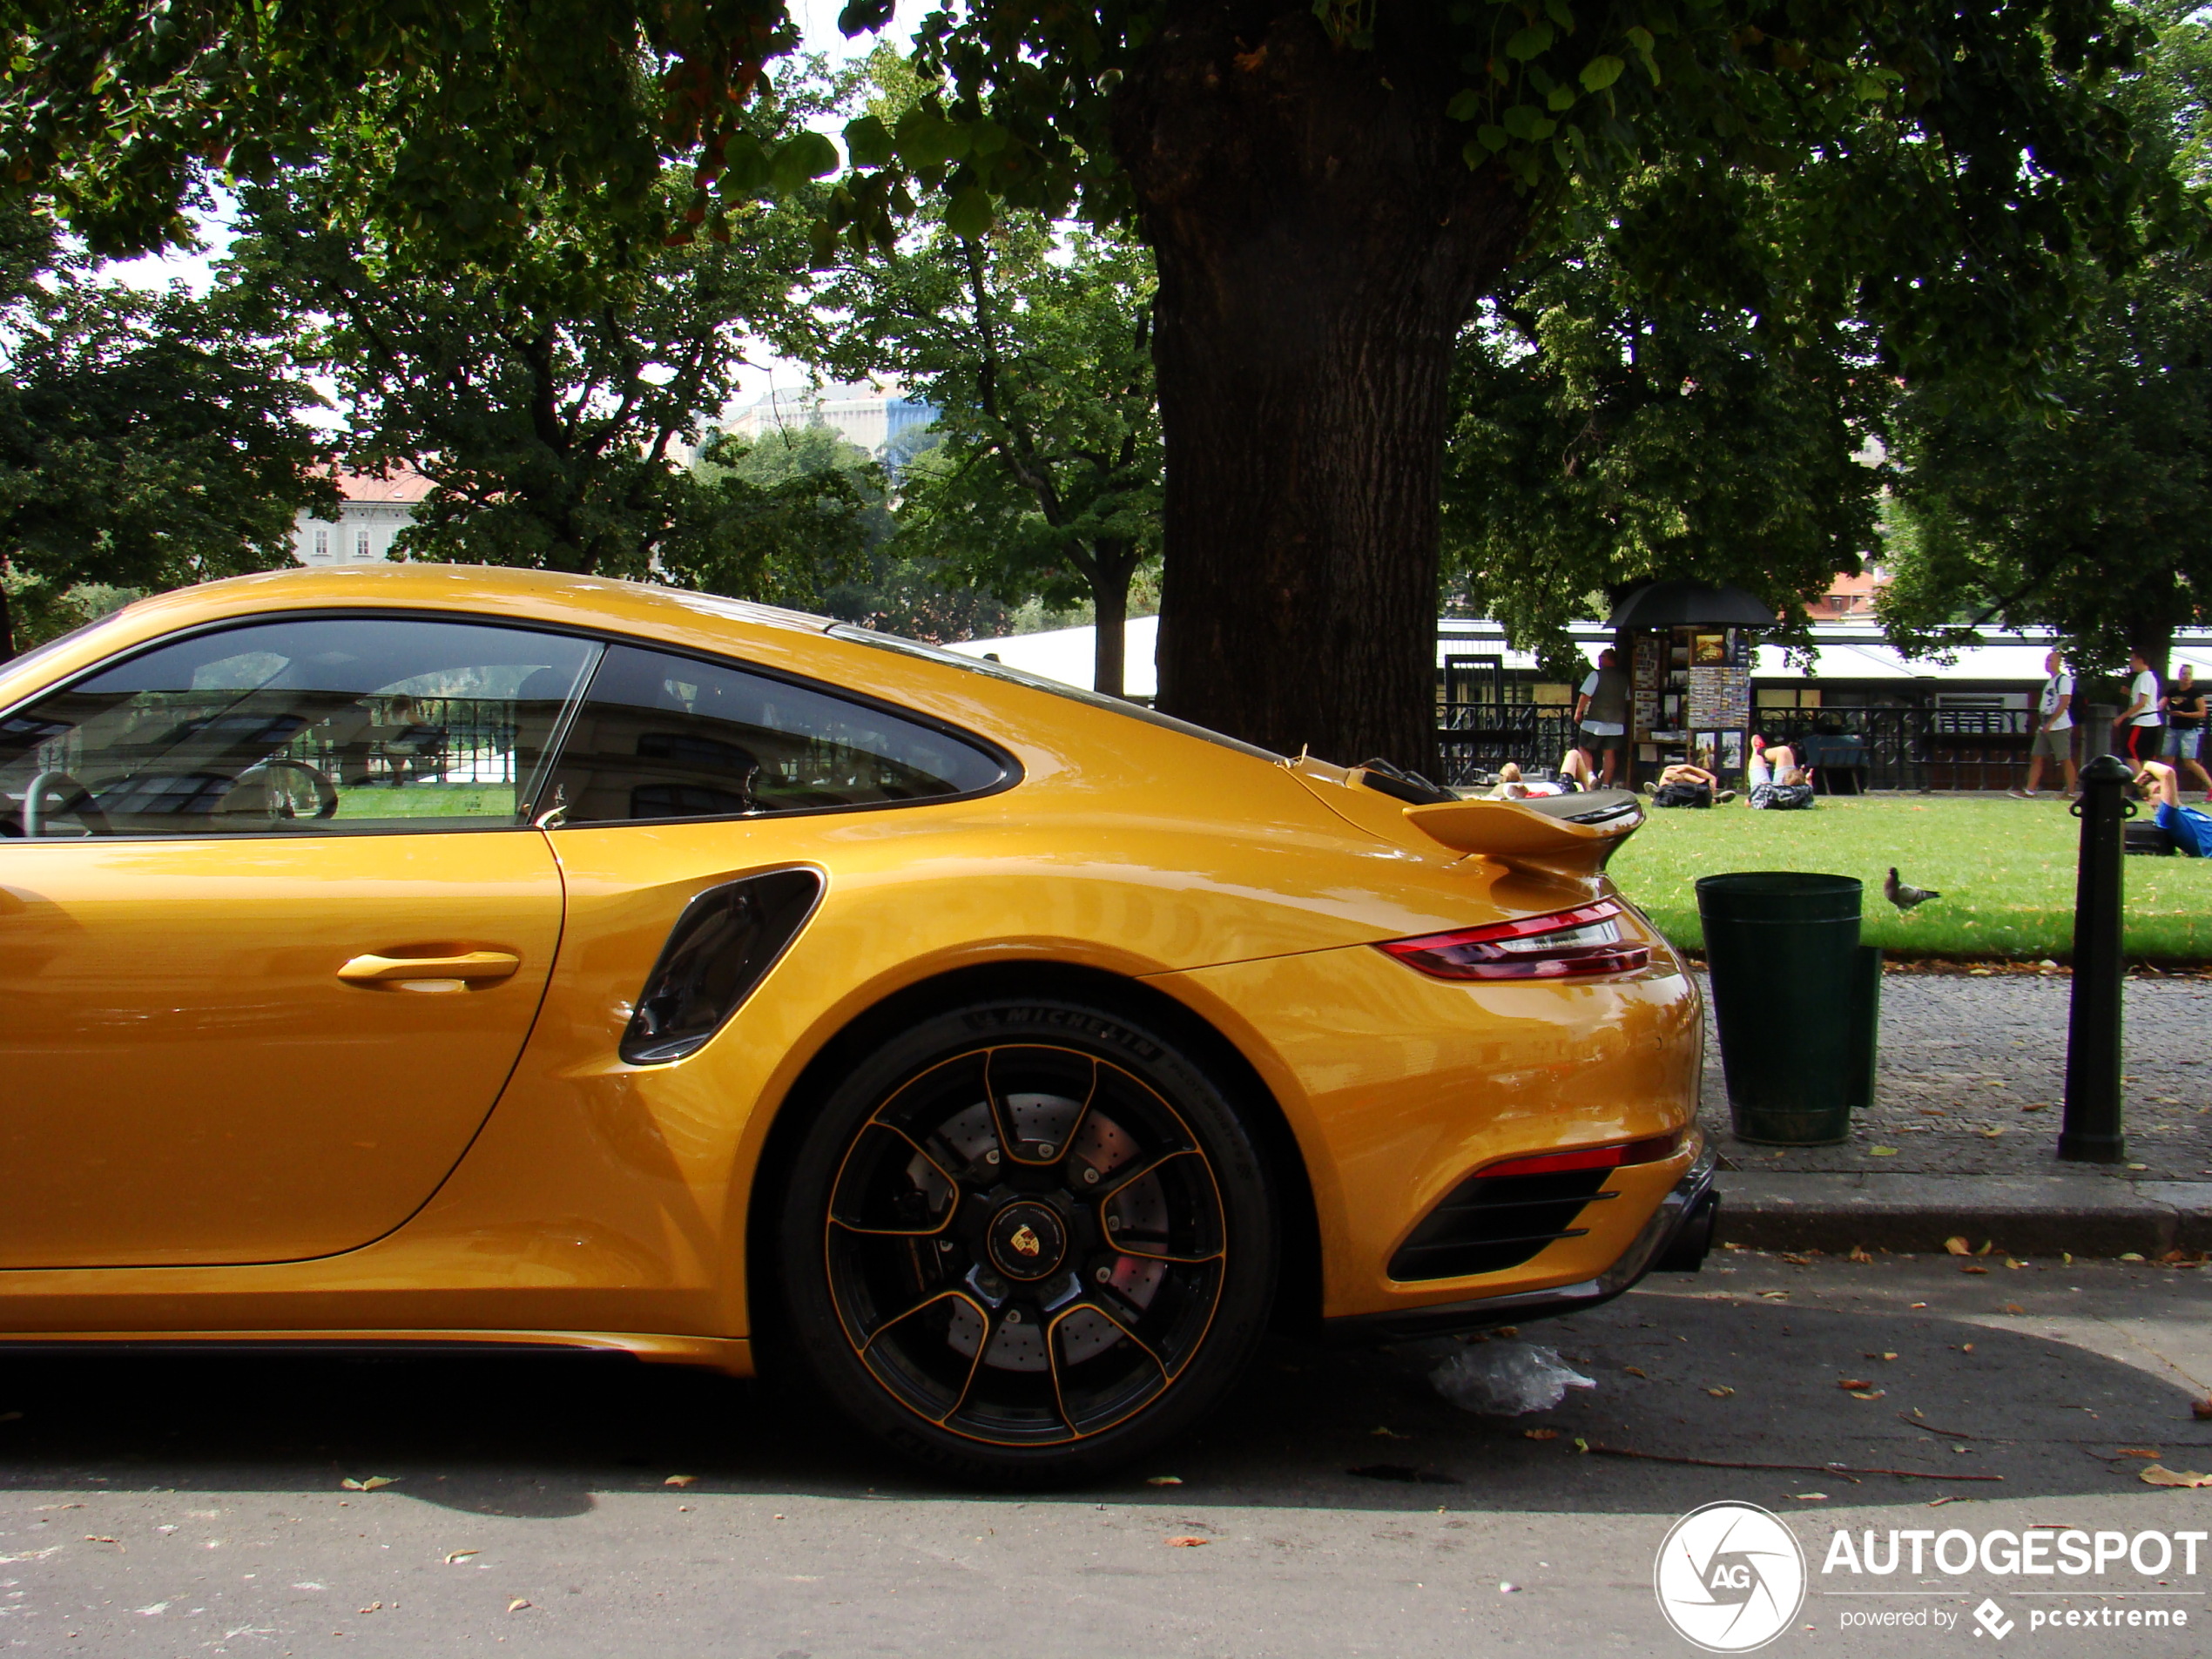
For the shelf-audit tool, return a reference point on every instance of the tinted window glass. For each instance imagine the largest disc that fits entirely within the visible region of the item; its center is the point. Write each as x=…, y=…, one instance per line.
x=673, y=736
x=313, y=725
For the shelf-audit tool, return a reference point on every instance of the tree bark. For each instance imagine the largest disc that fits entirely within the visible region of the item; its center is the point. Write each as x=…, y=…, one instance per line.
x=1320, y=243
x=1111, y=566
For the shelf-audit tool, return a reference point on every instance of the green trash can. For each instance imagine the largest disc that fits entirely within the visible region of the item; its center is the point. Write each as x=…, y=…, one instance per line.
x=1798, y=1000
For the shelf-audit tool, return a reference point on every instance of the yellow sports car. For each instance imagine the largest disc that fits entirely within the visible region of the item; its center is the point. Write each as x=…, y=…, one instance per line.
x=415, y=953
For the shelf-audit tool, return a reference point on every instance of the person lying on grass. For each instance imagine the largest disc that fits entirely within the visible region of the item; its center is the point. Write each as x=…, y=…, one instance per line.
x=1683, y=784
x=1778, y=783
x=2190, y=828
x=1574, y=776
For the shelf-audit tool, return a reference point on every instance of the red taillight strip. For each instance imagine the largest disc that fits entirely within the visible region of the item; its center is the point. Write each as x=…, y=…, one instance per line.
x=1655, y=1149
x=1434, y=954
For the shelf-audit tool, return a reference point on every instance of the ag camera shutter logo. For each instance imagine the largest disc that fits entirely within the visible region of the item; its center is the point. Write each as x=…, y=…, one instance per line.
x=1729, y=1577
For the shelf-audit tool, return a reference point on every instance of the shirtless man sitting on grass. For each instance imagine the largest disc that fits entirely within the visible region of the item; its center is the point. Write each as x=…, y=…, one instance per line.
x=2190, y=828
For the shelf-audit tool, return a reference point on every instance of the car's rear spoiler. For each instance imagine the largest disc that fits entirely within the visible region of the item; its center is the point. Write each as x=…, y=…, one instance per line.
x=1571, y=835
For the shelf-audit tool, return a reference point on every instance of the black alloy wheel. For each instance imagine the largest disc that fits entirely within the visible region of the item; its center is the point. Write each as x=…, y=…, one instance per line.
x=1025, y=1241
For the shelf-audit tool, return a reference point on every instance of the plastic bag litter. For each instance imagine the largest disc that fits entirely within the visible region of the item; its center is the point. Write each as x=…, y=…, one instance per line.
x=1506, y=1378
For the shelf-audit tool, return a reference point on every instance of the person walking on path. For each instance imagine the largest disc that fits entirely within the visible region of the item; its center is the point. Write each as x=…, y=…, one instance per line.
x=2054, y=729
x=1602, y=715
x=2137, y=724
x=2185, y=726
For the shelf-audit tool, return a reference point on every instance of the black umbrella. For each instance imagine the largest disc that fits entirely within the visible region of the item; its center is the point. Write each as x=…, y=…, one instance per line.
x=1689, y=604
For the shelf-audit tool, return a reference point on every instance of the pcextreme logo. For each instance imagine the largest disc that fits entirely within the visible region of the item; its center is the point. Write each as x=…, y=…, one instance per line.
x=1729, y=1577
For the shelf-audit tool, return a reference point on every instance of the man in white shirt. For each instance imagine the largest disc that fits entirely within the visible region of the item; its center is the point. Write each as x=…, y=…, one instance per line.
x=2054, y=728
x=2137, y=724
x=1602, y=714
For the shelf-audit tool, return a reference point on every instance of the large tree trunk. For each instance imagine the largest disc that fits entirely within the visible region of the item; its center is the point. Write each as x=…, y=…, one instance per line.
x=1109, y=611
x=1320, y=243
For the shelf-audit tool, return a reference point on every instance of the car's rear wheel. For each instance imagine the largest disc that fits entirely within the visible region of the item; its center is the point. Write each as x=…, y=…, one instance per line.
x=1025, y=1241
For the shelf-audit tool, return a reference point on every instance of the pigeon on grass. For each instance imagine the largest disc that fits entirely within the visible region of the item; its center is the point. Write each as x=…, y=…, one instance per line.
x=1905, y=897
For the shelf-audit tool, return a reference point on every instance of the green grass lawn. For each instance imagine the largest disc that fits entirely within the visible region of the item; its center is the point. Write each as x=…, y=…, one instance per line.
x=2005, y=869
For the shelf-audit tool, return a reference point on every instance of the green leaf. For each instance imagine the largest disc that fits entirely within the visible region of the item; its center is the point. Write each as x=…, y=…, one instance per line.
x=744, y=167
x=1528, y=124
x=1563, y=98
x=1640, y=37
x=987, y=138
x=804, y=156
x=927, y=140
x=1465, y=104
x=1561, y=15
x=1526, y=44
x=1601, y=72
x=1494, y=137
x=867, y=141
x=970, y=212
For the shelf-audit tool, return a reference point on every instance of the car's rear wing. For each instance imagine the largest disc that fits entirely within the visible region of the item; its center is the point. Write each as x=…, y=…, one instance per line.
x=1571, y=835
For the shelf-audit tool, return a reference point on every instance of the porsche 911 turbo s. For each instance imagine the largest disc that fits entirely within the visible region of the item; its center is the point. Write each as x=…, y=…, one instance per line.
x=415, y=953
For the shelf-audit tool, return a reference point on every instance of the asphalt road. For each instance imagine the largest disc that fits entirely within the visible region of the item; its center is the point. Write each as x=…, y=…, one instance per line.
x=161, y=1505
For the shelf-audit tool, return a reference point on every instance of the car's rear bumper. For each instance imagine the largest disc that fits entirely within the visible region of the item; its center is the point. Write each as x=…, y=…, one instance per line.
x=1674, y=1240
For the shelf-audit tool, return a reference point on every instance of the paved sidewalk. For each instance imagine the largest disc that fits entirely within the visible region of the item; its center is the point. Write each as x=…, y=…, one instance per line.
x=1963, y=1133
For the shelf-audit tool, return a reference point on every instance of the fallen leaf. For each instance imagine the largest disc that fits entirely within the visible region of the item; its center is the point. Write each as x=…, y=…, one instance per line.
x=1958, y=1247
x=2131, y=1255
x=1966, y=1347
x=1720, y=1393
x=2139, y=1450
x=1796, y=1261
x=2201, y=1409
x=10, y=1417
x=373, y=1607
x=681, y=1481
x=1858, y=1253
x=1987, y=1245
x=1881, y=1152
x=2159, y=1475
x=89, y=1539
x=2014, y=1307
x=370, y=1485
x=1854, y=1382
x=1539, y=1434
x=1162, y=1479
x=1385, y=1432
x=460, y=1555
x=1188, y=1543
x=1919, y=1304
x=1868, y=1393
x=1810, y=1497
x=1633, y=1372
x=518, y=1604
x=2009, y=1262
x=1878, y=1356
x=1972, y=1268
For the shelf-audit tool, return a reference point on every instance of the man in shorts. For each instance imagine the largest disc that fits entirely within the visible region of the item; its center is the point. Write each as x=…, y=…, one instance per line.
x=2185, y=726
x=2054, y=729
x=2191, y=829
x=1602, y=715
x=2136, y=726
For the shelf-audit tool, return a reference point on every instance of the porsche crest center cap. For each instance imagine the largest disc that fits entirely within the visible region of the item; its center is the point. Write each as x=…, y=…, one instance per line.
x=1028, y=1240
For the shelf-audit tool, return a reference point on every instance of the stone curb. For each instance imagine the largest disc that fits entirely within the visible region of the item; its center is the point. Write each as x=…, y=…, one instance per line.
x=2028, y=1214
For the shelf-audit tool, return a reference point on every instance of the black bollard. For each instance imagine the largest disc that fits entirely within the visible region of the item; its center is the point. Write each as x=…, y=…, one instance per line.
x=2091, y=1133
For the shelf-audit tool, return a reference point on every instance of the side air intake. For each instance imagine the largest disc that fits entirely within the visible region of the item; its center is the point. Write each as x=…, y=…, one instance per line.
x=725, y=942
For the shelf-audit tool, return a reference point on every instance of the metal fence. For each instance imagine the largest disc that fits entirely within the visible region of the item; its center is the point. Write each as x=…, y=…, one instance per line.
x=1900, y=748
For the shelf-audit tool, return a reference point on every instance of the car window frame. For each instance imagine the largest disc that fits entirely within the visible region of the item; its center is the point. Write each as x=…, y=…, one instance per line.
x=526, y=809
x=530, y=815
x=1010, y=773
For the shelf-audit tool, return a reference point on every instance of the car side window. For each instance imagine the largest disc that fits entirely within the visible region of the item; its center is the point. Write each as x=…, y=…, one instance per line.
x=310, y=725
x=661, y=736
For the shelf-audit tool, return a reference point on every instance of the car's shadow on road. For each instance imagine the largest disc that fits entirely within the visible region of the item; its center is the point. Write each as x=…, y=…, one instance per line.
x=1727, y=1381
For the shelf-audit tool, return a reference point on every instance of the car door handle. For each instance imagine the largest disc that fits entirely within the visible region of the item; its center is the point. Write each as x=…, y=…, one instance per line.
x=469, y=965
